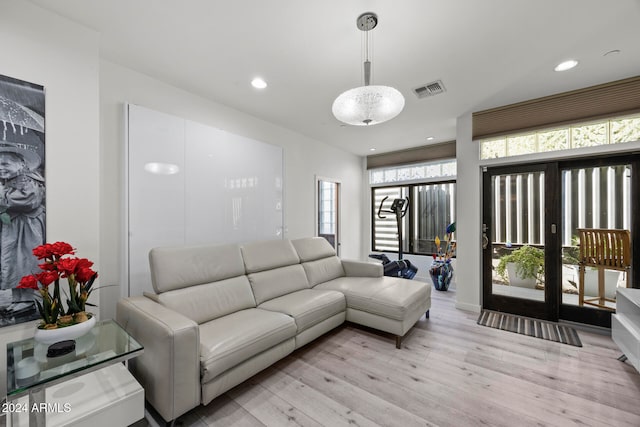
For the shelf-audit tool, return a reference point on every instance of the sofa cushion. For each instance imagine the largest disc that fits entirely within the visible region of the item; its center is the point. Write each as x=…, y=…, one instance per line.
x=268, y=255
x=230, y=340
x=270, y=284
x=308, y=307
x=313, y=248
x=390, y=297
x=323, y=270
x=362, y=269
x=202, y=303
x=183, y=266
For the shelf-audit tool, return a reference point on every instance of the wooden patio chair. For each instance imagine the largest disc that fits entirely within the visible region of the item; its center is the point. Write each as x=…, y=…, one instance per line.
x=603, y=249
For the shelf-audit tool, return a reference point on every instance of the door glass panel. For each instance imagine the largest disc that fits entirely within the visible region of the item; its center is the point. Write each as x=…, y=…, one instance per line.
x=328, y=197
x=517, y=235
x=599, y=198
x=434, y=209
x=385, y=228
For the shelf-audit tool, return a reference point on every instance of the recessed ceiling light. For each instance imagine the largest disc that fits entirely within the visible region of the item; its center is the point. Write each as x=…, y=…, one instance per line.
x=430, y=138
x=372, y=149
x=566, y=65
x=258, y=83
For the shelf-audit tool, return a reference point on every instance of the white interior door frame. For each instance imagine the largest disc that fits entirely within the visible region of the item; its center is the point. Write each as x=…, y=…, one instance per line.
x=318, y=179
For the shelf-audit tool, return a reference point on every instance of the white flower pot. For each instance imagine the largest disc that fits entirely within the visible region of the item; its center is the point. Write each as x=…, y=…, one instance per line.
x=50, y=336
x=516, y=280
x=611, y=278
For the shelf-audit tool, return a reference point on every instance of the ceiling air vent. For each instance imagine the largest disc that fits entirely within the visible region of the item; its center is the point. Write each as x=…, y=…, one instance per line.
x=430, y=89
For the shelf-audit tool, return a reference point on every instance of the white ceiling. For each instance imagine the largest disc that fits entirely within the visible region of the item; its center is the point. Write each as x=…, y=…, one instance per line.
x=487, y=53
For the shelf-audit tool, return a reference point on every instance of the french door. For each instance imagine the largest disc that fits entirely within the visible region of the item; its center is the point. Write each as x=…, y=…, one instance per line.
x=519, y=207
x=531, y=213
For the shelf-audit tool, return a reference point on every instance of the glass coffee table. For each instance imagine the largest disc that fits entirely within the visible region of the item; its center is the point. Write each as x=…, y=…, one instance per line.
x=30, y=371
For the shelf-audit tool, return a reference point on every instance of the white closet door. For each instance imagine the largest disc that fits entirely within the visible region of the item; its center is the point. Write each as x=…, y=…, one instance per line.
x=156, y=189
x=233, y=187
x=188, y=183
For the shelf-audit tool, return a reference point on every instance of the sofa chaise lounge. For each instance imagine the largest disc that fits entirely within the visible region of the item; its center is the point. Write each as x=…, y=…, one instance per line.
x=221, y=314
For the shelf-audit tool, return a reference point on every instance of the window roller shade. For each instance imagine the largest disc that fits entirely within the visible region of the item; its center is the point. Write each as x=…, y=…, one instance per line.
x=606, y=100
x=426, y=153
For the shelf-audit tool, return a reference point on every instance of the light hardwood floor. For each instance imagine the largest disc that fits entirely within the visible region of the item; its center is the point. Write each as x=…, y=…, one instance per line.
x=450, y=372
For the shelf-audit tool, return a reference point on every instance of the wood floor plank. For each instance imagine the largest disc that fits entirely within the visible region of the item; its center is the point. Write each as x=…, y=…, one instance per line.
x=564, y=361
x=225, y=412
x=568, y=394
x=267, y=407
x=496, y=388
x=312, y=402
x=360, y=400
x=450, y=372
x=434, y=401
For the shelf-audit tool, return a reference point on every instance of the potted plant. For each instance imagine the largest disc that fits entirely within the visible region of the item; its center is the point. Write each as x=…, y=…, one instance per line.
x=524, y=266
x=59, y=264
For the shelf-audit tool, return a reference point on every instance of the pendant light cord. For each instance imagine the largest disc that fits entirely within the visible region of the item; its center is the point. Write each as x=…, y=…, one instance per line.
x=367, y=62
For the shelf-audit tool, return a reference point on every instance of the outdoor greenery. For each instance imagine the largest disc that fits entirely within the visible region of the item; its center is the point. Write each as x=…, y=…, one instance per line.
x=529, y=263
x=570, y=254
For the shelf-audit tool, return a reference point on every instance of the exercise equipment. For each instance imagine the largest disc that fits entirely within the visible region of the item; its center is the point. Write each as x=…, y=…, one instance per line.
x=401, y=267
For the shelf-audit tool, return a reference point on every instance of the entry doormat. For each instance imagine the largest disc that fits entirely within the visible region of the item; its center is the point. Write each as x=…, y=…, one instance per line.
x=532, y=327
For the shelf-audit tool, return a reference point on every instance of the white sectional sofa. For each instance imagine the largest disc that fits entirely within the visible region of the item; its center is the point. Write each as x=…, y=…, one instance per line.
x=221, y=314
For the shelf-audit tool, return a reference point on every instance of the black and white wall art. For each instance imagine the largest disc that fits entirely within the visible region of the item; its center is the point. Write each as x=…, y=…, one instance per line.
x=22, y=194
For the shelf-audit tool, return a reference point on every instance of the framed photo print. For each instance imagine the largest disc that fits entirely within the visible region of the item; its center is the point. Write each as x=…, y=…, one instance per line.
x=22, y=194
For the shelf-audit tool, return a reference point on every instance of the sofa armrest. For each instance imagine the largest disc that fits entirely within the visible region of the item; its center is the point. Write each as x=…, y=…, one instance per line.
x=169, y=368
x=361, y=269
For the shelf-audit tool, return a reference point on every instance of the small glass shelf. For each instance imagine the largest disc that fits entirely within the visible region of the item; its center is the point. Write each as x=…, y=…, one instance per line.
x=28, y=366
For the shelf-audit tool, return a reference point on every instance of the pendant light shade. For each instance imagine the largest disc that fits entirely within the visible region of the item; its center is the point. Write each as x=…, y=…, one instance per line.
x=368, y=104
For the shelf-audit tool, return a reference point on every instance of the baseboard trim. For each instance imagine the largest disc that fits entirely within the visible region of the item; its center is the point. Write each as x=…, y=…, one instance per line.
x=587, y=328
x=468, y=307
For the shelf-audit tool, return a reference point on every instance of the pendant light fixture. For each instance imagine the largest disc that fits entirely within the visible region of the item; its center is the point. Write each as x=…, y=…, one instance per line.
x=368, y=104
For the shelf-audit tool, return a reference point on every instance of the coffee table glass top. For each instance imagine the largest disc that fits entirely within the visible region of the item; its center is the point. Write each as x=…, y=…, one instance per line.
x=28, y=365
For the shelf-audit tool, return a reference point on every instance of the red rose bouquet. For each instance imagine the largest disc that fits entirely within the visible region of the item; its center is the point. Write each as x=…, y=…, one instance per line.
x=59, y=264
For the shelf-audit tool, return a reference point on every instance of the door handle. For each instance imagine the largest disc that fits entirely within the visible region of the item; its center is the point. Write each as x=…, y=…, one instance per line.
x=485, y=241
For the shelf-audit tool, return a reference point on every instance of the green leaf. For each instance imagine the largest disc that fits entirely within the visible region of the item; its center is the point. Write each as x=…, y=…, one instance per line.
x=40, y=309
x=88, y=285
x=73, y=307
x=55, y=313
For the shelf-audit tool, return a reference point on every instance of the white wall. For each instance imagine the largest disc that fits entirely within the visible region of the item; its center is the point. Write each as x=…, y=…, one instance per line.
x=43, y=48
x=304, y=159
x=468, y=218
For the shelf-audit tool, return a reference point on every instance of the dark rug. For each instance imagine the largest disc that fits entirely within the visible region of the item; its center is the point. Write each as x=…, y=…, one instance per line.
x=532, y=327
